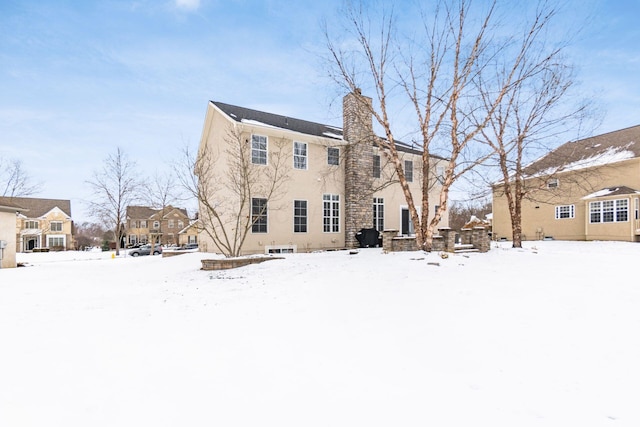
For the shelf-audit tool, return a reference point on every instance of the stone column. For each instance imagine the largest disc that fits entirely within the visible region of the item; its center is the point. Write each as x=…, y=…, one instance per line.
x=358, y=132
x=449, y=237
x=387, y=239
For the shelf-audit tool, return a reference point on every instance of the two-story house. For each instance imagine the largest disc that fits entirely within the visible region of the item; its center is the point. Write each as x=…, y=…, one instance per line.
x=587, y=189
x=147, y=225
x=339, y=180
x=44, y=224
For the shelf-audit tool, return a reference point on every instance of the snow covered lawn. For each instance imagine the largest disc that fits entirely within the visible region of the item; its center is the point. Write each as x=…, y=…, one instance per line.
x=544, y=336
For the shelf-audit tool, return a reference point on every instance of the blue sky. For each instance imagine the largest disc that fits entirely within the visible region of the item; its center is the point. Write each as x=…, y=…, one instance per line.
x=79, y=78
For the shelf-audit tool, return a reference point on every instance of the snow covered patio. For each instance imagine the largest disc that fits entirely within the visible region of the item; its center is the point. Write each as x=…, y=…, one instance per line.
x=543, y=336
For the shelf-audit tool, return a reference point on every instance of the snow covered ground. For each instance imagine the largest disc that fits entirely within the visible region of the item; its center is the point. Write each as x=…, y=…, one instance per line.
x=544, y=336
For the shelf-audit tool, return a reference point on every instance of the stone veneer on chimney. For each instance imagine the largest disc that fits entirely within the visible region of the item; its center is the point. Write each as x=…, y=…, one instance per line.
x=358, y=132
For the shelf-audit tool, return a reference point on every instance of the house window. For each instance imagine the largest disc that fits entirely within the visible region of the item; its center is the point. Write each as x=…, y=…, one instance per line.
x=56, y=241
x=333, y=156
x=376, y=166
x=552, y=183
x=143, y=239
x=56, y=225
x=378, y=213
x=133, y=239
x=565, y=212
x=636, y=203
x=171, y=223
x=300, y=155
x=143, y=224
x=609, y=211
x=156, y=225
x=180, y=225
x=192, y=239
x=31, y=225
x=331, y=213
x=622, y=210
x=300, y=216
x=440, y=174
x=258, y=150
x=408, y=170
x=258, y=215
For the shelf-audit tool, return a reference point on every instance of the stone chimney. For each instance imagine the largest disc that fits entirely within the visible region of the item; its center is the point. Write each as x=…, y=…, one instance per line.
x=358, y=132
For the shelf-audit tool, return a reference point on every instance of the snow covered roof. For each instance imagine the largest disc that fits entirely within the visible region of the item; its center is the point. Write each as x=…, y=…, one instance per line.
x=612, y=191
x=590, y=152
x=247, y=115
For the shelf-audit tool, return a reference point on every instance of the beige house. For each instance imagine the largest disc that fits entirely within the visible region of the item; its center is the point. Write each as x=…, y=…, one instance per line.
x=8, y=211
x=339, y=180
x=45, y=224
x=145, y=225
x=584, y=190
x=189, y=234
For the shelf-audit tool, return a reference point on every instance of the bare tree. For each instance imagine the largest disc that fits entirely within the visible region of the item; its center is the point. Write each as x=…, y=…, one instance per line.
x=535, y=111
x=14, y=180
x=114, y=187
x=434, y=73
x=89, y=234
x=225, y=182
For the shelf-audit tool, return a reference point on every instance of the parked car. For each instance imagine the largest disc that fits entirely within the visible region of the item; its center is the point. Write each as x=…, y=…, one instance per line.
x=146, y=250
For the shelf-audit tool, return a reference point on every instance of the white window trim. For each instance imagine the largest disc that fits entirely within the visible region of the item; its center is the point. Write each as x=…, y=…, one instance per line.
x=304, y=157
x=411, y=225
x=56, y=222
x=378, y=207
x=306, y=216
x=57, y=236
x=266, y=150
x=266, y=215
x=615, y=209
x=409, y=177
x=331, y=202
x=553, y=183
x=280, y=249
x=338, y=157
x=572, y=211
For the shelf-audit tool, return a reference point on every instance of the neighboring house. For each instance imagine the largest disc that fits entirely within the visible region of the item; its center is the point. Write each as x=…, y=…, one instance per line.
x=189, y=234
x=45, y=224
x=340, y=181
x=146, y=225
x=584, y=190
x=8, y=211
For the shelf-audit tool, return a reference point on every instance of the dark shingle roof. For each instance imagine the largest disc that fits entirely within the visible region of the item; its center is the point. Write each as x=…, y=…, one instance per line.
x=38, y=207
x=594, y=151
x=240, y=114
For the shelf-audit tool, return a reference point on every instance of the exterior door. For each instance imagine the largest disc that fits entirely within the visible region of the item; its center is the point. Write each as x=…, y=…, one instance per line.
x=406, y=225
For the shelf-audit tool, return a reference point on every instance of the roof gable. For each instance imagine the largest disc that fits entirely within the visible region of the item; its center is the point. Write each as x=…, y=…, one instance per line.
x=37, y=208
